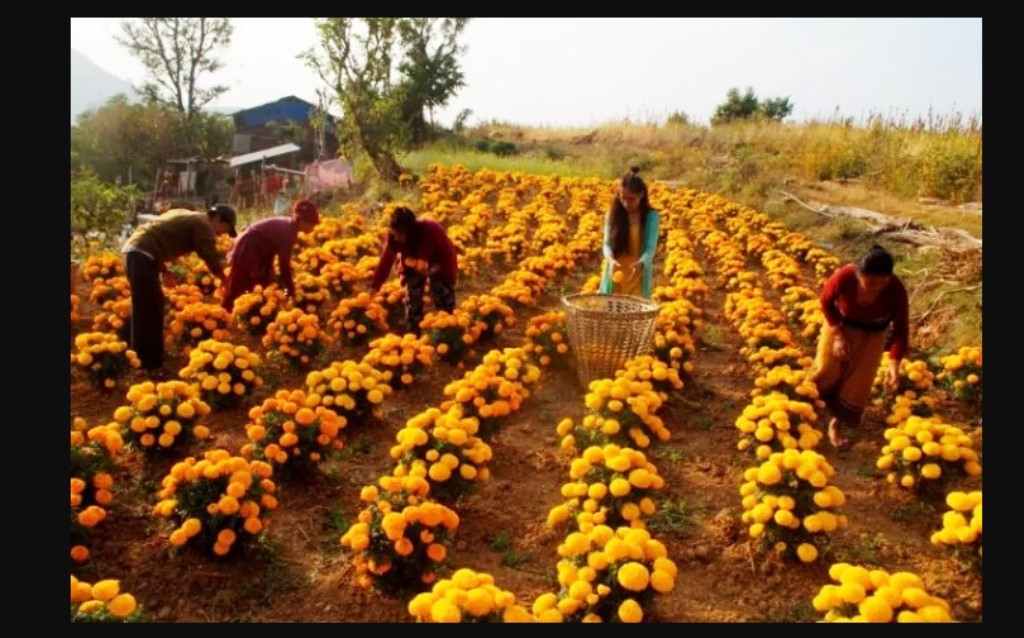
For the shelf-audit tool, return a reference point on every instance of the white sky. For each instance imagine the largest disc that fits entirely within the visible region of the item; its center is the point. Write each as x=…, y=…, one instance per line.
x=584, y=71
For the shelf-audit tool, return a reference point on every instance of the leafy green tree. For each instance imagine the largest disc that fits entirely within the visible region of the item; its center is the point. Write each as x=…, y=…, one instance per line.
x=430, y=68
x=127, y=142
x=177, y=53
x=384, y=72
x=99, y=208
x=745, y=106
x=778, y=108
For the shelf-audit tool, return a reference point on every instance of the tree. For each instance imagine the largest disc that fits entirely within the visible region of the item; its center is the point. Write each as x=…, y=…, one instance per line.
x=430, y=68
x=746, y=106
x=777, y=109
x=177, y=52
x=384, y=72
x=99, y=209
x=127, y=142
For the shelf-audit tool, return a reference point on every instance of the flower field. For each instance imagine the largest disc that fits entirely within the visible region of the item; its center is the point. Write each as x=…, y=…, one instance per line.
x=315, y=463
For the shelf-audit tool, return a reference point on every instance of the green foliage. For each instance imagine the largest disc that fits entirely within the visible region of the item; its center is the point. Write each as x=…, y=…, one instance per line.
x=746, y=106
x=383, y=114
x=678, y=118
x=129, y=141
x=673, y=516
x=97, y=208
x=950, y=171
x=459, y=125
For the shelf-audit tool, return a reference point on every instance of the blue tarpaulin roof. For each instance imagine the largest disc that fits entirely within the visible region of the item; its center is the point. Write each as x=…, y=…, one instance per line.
x=287, y=109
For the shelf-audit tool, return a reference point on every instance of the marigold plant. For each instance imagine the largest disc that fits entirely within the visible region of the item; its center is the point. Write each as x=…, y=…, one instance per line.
x=610, y=486
x=451, y=334
x=162, y=416
x=621, y=411
x=608, y=576
x=104, y=265
x=391, y=297
x=107, y=291
x=297, y=336
x=103, y=358
x=93, y=453
x=358, y=319
x=961, y=373
x=923, y=453
x=443, y=448
x=775, y=423
x=292, y=431
x=114, y=318
x=312, y=293
x=486, y=395
x=218, y=503
x=225, y=373
x=197, y=322
x=790, y=506
x=491, y=313
x=102, y=602
x=192, y=270
x=401, y=537
x=254, y=310
x=546, y=338
x=468, y=596
x=353, y=390
x=664, y=378
x=876, y=596
x=961, y=527
x=400, y=358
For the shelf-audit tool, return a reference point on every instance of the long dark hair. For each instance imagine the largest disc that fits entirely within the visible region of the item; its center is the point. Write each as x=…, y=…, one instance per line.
x=404, y=221
x=876, y=261
x=620, y=216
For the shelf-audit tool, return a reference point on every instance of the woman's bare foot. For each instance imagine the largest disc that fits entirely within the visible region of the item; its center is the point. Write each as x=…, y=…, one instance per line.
x=837, y=440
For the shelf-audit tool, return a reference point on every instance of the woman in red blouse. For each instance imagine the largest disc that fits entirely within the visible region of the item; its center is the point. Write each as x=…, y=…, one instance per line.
x=861, y=302
x=428, y=258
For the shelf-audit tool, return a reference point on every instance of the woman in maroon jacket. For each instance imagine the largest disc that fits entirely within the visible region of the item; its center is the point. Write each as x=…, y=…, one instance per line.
x=252, y=256
x=427, y=255
x=860, y=302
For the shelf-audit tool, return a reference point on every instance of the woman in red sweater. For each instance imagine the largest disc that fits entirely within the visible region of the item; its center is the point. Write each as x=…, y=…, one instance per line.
x=428, y=257
x=252, y=256
x=860, y=302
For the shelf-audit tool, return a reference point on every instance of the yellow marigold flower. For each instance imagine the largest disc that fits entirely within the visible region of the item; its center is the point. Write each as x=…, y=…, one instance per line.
x=662, y=581
x=807, y=552
x=630, y=611
x=122, y=605
x=79, y=553
x=90, y=607
x=634, y=576
x=106, y=589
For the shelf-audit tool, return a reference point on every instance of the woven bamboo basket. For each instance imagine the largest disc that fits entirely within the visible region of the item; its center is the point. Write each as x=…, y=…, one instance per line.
x=607, y=330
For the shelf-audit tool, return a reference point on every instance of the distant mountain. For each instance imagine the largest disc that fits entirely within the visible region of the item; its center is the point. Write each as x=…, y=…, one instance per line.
x=91, y=86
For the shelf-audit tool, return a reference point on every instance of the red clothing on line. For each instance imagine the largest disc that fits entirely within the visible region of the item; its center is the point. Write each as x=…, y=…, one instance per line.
x=839, y=301
x=433, y=246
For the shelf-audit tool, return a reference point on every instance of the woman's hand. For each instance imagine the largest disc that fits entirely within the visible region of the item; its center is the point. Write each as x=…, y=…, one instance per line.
x=840, y=349
x=170, y=280
x=892, y=376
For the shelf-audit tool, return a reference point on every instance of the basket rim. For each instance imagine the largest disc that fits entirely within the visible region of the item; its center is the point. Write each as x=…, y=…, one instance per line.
x=649, y=305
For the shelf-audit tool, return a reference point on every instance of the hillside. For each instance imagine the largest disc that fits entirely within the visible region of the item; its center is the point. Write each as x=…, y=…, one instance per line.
x=92, y=86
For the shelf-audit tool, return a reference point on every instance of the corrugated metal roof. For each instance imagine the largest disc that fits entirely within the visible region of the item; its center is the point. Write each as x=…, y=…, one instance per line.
x=273, y=151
